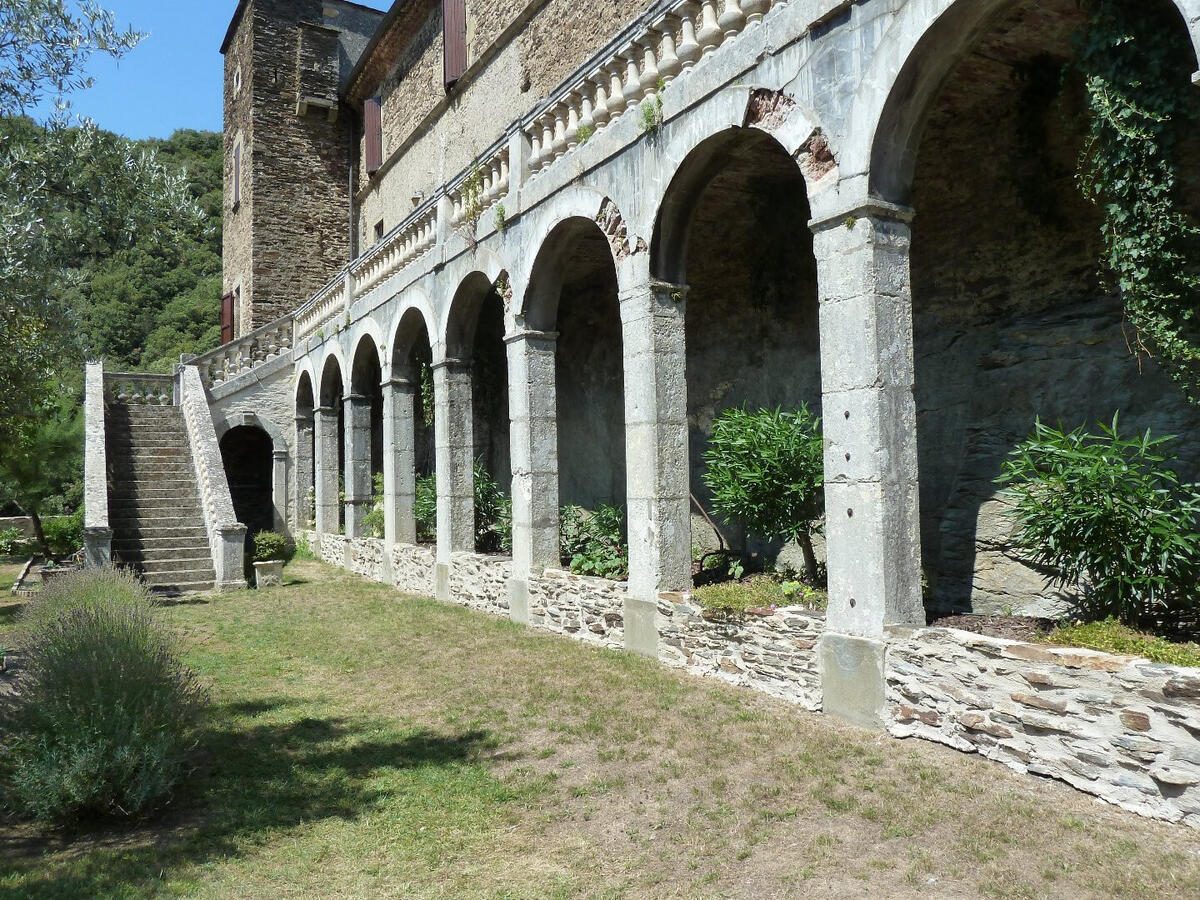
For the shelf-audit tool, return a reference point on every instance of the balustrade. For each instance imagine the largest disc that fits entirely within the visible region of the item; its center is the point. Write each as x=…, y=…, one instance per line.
x=139, y=388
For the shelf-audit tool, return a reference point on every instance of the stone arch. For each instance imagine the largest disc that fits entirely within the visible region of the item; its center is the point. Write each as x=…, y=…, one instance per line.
x=333, y=385
x=416, y=313
x=245, y=418
x=577, y=204
x=248, y=454
x=466, y=305
x=920, y=48
x=305, y=394
x=365, y=328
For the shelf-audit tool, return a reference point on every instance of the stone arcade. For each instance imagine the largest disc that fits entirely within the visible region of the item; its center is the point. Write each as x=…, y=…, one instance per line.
x=599, y=228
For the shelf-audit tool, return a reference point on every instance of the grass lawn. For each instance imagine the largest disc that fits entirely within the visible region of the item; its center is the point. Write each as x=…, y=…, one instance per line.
x=367, y=744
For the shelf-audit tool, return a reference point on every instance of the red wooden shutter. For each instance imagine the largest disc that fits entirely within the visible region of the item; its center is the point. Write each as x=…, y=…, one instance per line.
x=454, y=35
x=373, y=133
x=237, y=173
x=226, y=319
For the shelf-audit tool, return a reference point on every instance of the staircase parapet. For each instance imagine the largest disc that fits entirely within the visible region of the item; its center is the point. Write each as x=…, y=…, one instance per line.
x=97, y=533
x=143, y=388
x=227, y=362
x=226, y=536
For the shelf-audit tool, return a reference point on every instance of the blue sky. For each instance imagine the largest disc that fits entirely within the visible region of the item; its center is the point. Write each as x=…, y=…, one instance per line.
x=173, y=78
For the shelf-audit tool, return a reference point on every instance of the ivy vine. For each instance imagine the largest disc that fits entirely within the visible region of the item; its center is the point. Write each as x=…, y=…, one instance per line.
x=1131, y=59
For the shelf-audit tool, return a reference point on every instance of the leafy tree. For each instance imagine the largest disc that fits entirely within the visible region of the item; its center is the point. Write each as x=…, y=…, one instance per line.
x=766, y=470
x=1107, y=515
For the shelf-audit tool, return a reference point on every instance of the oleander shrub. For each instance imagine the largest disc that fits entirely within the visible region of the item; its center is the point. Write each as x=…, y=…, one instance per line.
x=12, y=542
x=493, y=514
x=766, y=469
x=106, y=720
x=271, y=545
x=64, y=534
x=1108, y=518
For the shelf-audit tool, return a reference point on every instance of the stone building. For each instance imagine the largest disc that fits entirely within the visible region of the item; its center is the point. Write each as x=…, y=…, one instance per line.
x=598, y=226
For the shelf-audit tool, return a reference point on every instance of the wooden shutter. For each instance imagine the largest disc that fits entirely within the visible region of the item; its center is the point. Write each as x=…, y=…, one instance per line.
x=373, y=133
x=226, y=319
x=237, y=174
x=454, y=35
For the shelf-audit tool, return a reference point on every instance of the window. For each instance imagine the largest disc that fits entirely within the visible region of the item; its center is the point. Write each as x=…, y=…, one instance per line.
x=373, y=134
x=379, y=231
x=454, y=40
x=237, y=79
x=227, y=318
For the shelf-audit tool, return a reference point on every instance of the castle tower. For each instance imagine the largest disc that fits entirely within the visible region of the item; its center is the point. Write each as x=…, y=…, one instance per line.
x=288, y=152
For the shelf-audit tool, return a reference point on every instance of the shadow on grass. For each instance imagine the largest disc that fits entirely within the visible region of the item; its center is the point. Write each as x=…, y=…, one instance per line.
x=253, y=779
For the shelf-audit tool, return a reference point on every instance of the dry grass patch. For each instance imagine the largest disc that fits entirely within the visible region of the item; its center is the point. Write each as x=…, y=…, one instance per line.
x=369, y=744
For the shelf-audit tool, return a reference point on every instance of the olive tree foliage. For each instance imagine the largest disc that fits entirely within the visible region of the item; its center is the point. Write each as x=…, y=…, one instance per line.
x=67, y=191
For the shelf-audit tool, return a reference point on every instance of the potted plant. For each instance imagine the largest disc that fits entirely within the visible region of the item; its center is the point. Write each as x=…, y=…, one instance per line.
x=270, y=552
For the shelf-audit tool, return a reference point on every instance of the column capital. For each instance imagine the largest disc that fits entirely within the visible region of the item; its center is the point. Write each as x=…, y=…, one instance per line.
x=356, y=399
x=279, y=455
x=305, y=418
x=452, y=364
x=530, y=334
x=870, y=208
x=325, y=411
x=398, y=382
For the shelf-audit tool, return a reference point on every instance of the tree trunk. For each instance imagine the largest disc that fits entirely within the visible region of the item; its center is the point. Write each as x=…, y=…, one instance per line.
x=39, y=534
x=810, y=557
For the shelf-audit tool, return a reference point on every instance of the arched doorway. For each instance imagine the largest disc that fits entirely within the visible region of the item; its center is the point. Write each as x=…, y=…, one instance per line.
x=248, y=457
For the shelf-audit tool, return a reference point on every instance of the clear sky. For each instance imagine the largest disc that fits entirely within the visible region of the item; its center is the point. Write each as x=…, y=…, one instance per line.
x=173, y=79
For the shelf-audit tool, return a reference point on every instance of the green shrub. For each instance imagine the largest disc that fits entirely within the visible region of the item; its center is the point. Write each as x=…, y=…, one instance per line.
x=106, y=718
x=493, y=514
x=766, y=470
x=594, y=543
x=12, y=542
x=372, y=523
x=425, y=508
x=1111, y=636
x=1107, y=516
x=64, y=534
x=759, y=591
x=271, y=545
x=303, y=549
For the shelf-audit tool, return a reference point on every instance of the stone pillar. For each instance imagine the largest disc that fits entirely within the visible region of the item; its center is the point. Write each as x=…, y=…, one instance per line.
x=399, y=463
x=304, y=471
x=326, y=451
x=454, y=447
x=279, y=489
x=656, y=454
x=871, y=491
x=357, y=462
x=534, y=447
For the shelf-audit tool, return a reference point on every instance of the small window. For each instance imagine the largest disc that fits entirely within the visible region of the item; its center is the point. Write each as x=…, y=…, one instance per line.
x=379, y=231
x=237, y=79
x=237, y=174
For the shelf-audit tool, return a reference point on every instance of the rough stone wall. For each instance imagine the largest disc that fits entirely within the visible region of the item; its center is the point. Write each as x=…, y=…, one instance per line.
x=480, y=581
x=1011, y=323
x=413, y=568
x=1123, y=729
x=590, y=609
x=237, y=236
x=774, y=653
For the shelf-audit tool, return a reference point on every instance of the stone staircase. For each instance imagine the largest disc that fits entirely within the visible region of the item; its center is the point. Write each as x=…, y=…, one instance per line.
x=154, y=503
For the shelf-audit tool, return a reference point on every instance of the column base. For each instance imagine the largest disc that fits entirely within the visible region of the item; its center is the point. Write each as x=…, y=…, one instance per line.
x=518, y=600
x=228, y=587
x=641, y=626
x=97, y=544
x=852, y=679
x=441, y=582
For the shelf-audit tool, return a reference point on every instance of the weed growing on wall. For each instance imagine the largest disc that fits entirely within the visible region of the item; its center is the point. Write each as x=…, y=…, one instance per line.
x=1136, y=68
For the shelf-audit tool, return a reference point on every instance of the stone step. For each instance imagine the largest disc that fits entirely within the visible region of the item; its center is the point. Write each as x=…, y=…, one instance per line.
x=174, y=471
x=131, y=533
x=190, y=563
x=162, y=551
x=178, y=589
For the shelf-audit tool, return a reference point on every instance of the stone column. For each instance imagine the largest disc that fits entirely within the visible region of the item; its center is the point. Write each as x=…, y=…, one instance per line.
x=279, y=489
x=871, y=491
x=357, y=462
x=454, y=447
x=304, y=470
x=326, y=450
x=399, y=463
x=656, y=454
x=534, y=447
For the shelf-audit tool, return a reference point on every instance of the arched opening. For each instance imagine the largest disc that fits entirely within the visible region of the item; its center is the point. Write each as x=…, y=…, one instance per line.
x=248, y=456
x=1012, y=322
x=411, y=454
x=330, y=450
x=305, y=468
x=573, y=293
x=364, y=448
x=733, y=228
x=475, y=336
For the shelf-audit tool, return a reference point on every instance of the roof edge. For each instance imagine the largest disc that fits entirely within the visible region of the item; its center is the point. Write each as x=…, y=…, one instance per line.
x=233, y=24
x=384, y=27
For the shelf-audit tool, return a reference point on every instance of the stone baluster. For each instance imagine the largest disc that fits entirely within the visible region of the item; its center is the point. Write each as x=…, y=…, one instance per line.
x=560, y=132
x=547, y=121
x=587, y=112
x=631, y=90
x=755, y=10
x=732, y=19
x=616, y=96
x=535, y=147
x=649, y=76
x=572, y=133
x=709, y=36
x=505, y=174
x=668, y=58
x=689, y=48
x=600, y=114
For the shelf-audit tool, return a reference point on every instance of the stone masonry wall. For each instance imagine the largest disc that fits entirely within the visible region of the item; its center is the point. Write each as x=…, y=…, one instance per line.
x=1121, y=728
x=773, y=653
x=590, y=609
